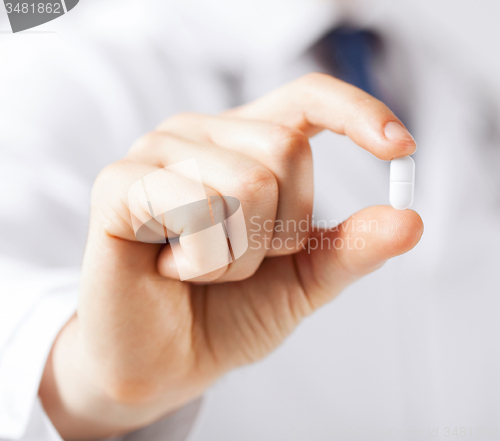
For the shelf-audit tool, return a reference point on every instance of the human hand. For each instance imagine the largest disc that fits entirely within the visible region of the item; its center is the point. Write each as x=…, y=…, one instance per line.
x=143, y=342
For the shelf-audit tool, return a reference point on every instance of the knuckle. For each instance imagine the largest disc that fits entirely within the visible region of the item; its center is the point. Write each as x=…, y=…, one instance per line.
x=146, y=141
x=109, y=174
x=177, y=120
x=287, y=142
x=108, y=182
x=257, y=183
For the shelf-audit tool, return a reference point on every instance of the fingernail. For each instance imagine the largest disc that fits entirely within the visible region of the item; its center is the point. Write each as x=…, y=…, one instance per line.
x=396, y=132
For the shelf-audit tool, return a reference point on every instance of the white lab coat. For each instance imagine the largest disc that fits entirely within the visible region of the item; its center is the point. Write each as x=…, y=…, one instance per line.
x=408, y=352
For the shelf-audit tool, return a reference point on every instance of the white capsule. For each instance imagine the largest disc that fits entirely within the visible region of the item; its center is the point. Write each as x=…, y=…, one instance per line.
x=402, y=182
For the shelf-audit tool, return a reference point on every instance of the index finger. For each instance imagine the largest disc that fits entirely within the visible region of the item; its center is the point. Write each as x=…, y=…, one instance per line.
x=318, y=101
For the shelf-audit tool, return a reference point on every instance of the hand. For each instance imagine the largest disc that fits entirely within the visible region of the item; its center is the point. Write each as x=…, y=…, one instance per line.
x=144, y=343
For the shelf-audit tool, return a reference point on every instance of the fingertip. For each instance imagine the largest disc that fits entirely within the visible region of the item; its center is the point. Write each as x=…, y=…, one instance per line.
x=397, y=132
x=166, y=265
x=400, y=150
x=412, y=230
x=172, y=267
x=361, y=245
x=400, y=141
x=385, y=140
x=388, y=152
x=402, y=230
x=211, y=277
x=390, y=233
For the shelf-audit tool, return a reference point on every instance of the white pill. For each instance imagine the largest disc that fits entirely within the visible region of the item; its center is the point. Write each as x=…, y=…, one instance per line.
x=402, y=182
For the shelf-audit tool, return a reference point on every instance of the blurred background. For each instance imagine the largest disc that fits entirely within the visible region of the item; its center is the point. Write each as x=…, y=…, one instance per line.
x=411, y=352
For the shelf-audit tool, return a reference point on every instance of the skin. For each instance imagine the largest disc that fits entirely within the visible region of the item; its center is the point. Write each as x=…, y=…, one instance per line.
x=143, y=343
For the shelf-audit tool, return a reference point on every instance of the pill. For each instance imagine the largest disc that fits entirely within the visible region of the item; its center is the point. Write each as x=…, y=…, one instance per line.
x=402, y=182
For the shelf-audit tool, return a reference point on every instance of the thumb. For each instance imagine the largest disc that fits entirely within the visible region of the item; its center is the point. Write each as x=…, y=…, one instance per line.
x=335, y=258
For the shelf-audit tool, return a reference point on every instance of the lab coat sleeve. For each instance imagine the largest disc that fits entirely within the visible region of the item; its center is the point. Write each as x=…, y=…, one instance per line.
x=56, y=132
x=34, y=306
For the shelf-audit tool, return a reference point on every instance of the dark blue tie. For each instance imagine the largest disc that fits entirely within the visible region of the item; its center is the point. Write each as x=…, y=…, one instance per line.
x=349, y=53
